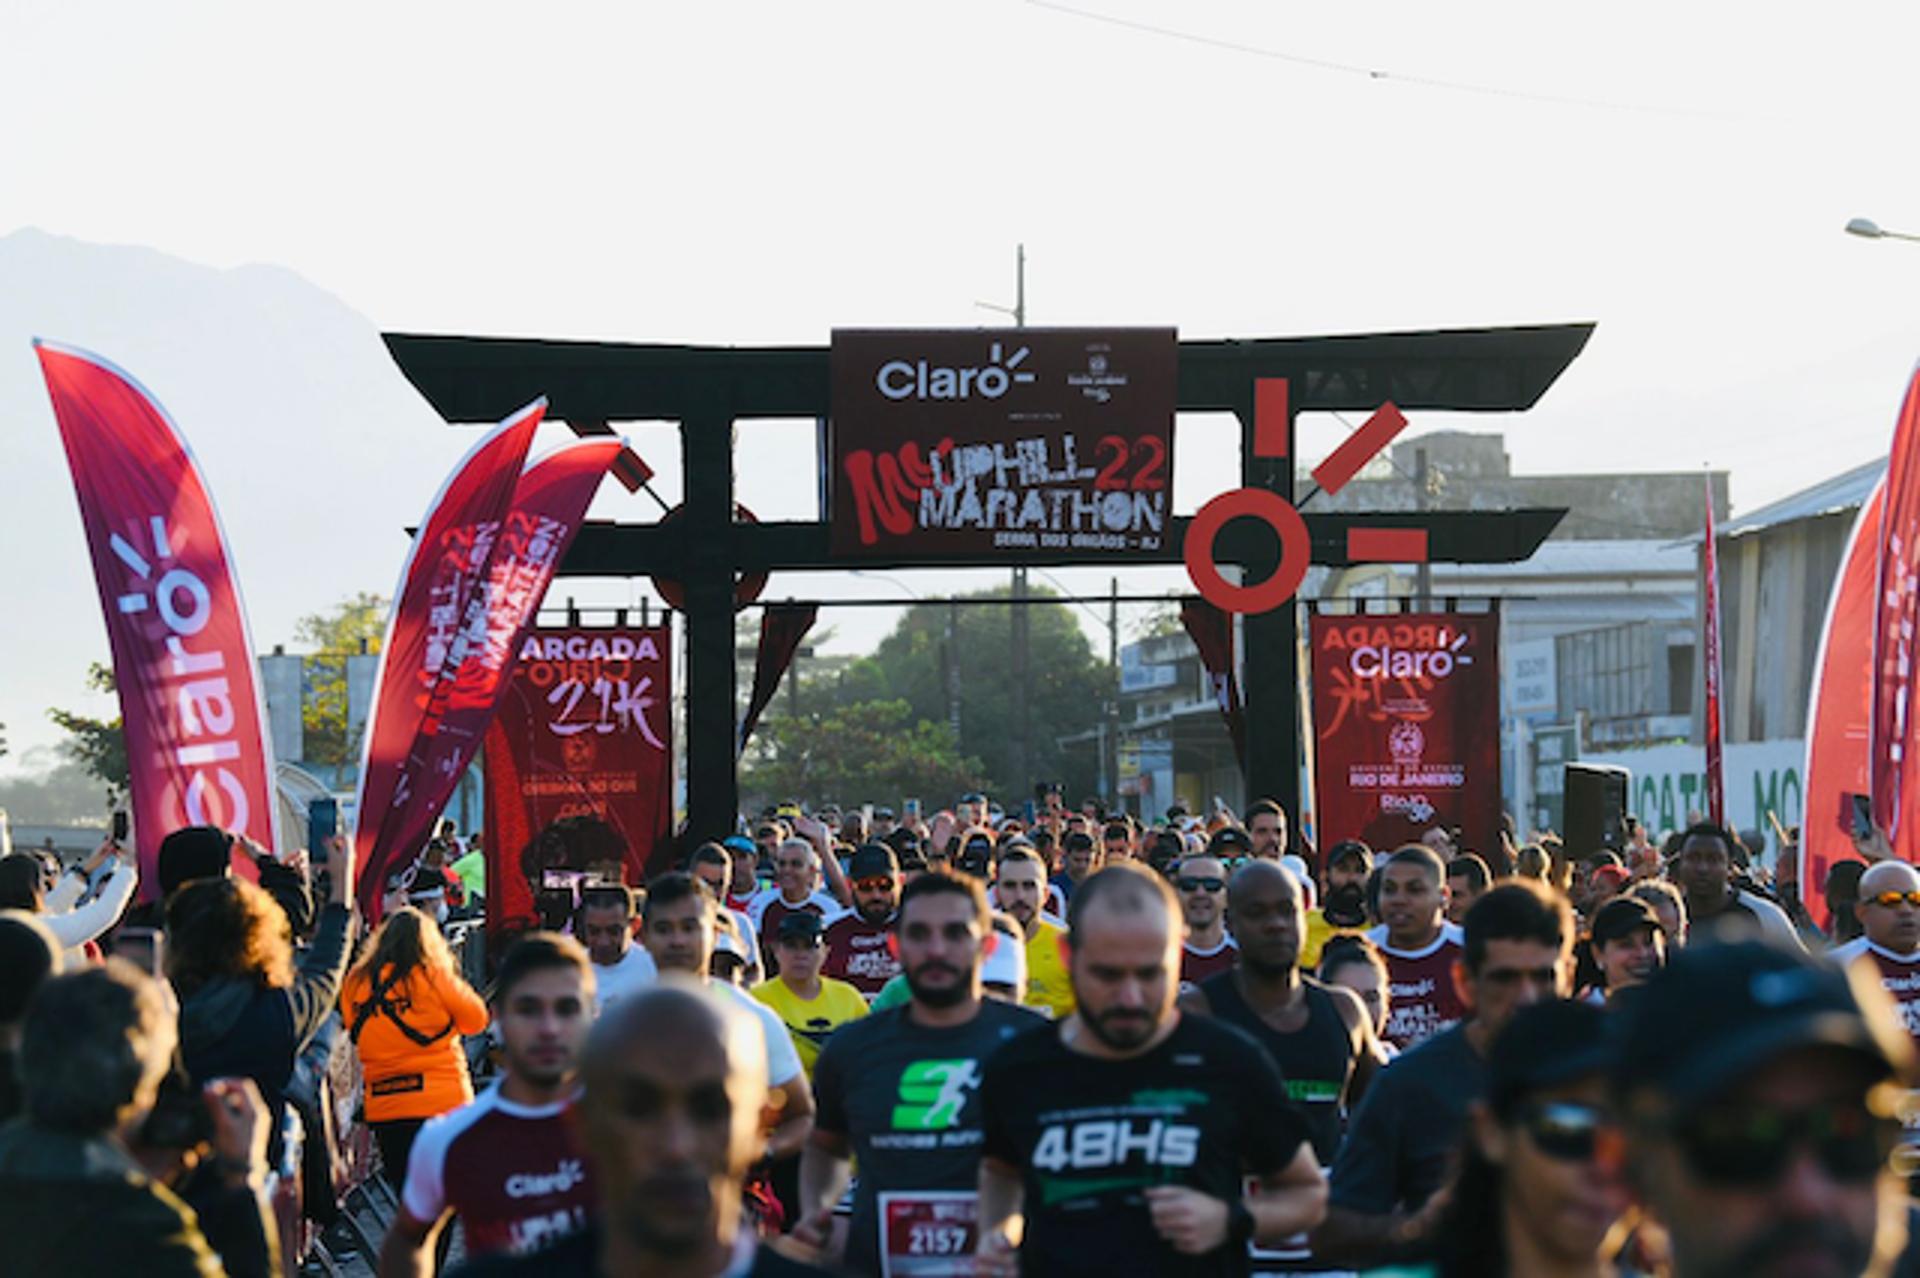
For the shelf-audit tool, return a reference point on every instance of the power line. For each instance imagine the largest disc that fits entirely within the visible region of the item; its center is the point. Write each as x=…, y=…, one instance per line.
x=1372, y=73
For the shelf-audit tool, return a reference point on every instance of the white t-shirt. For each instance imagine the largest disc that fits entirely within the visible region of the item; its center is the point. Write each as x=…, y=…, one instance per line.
x=783, y=1062
x=612, y=982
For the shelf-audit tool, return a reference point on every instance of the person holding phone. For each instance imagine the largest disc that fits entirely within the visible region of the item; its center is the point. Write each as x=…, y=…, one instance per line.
x=73, y=923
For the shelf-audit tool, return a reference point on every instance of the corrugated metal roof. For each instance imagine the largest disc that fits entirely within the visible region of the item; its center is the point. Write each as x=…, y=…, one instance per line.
x=1845, y=491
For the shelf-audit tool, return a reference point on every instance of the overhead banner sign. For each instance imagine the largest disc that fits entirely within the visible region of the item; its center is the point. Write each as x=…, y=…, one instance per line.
x=1406, y=713
x=977, y=441
x=579, y=769
x=197, y=749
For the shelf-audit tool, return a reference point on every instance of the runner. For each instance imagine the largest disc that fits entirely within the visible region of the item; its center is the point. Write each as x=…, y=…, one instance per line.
x=677, y=925
x=811, y=1006
x=605, y=924
x=675, y=1083
x=1343, y=906
x=1628, y=945
x=1266, y=824
x=1122, y=1134
x=858, y=951
x=1208, y=948
x=1401, y=1142
x=712, y=866
x=1320, y=1037
x=898, y=1093
x=1020, y=890
x=509, y=1165
x=796, y=875
x=1420, y=947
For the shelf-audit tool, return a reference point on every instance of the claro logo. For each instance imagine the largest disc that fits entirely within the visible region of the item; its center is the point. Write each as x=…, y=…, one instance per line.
x=1370, y=662
x=900, y=379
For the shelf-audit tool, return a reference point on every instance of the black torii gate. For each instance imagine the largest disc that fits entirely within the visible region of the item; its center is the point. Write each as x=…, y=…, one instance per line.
x=705, y=389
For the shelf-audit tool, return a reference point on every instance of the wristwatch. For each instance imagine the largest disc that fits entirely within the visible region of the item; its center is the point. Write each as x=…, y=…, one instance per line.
x=1240, y=1223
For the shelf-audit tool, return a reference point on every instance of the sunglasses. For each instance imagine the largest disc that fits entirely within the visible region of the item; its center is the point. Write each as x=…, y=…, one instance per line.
x=1752, y=1149
x=1891, y=899
x=880, y=883
x=1565, y=1130
x=1207, y=884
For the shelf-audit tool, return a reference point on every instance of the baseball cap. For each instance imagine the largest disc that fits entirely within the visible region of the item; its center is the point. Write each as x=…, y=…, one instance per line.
x=726, y=941
x=1614, y=875
x=1622, y=916
x=1717, y=1012
x=738, y=843
x=872, y=860
x=1230, y=840
x=1544, y=1045
x=801, y=925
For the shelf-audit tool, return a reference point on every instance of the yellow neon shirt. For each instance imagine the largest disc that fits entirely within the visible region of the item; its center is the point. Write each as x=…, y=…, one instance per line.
x=1319, y=932
x=1049, y=987
x=809, y=1023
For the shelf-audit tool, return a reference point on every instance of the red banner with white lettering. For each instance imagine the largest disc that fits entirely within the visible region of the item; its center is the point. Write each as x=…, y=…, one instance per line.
x=197, y=748
x=1406, y=713
x=1715, y=716
x=1893, y=759
x=1839, y=711
x=579, y=771
x=439, y=606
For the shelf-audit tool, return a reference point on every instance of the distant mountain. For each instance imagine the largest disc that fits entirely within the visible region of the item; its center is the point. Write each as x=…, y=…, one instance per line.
x=317, y=450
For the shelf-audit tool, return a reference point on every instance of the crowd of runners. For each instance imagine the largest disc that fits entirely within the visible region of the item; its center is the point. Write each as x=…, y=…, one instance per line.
x=1058, y=1042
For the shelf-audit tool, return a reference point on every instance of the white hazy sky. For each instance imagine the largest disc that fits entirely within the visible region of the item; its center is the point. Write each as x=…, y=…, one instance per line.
x=750, y=173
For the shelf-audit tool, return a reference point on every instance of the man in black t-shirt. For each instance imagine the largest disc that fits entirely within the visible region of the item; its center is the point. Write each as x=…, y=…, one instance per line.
x=898, y=1092
x=675, y=1081
x=1120, y=1137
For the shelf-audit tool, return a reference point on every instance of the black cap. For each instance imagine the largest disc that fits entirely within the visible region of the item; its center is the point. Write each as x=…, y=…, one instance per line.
x=1230, y=840
x=1544, y=1045
x=1720, y=1011
x=1622, y=916
x=195, y=852
x=801, y=925
x=872, y=860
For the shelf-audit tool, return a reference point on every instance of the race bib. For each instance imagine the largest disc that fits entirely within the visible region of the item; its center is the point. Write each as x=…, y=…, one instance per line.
x=929, y=1234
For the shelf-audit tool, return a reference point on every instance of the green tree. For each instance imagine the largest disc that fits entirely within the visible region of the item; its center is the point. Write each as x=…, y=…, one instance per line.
x=1070, y=687
x=351, y=627
x=868, y=750
x=97, y=745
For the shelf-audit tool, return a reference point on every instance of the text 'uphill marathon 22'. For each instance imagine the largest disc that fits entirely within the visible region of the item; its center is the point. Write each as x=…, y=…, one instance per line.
x=998, y=447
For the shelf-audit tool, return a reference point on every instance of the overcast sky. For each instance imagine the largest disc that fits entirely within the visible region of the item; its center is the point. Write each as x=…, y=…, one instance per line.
x=749, y=173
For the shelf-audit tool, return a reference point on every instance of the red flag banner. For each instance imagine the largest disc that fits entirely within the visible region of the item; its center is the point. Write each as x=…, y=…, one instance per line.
x=579, y=770
x=439, y=605
x=197, y=748
x=1837, y=717
x=1211, y=630
x=1715, y=716
x=1406, y=713
x=1893, y=751
x=782, y=628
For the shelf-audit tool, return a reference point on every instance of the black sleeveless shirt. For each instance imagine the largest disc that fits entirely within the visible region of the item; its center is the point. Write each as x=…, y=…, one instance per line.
x=1316, y=1059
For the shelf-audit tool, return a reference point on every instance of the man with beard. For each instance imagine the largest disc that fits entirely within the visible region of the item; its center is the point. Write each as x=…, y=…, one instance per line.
x=1020, y=891
x=1124, y=1134
x=743, y=869
x=1343, y=908
x=1420, y=947
x=898, y=1091
x=1319, y=1036
x=1402, y=1141
x=1207, y=949
x=1753, y=1084
x=1716, y=908
x=670, y=1115
x=857, y=948
x=509, y=1163
x=1266, y=823
x=1628, y=945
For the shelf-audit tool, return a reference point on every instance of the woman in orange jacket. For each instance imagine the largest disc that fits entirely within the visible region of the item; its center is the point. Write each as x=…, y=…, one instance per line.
x=406, y=1008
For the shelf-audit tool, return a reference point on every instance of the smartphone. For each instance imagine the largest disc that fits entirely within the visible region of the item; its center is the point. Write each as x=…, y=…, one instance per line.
x=323, y=822
x=140, y=946
x=1858, y=815
x=120, y=826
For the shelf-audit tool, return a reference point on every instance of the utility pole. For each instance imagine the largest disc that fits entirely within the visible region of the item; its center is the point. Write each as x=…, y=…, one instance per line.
x=1112, y=733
